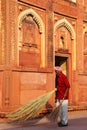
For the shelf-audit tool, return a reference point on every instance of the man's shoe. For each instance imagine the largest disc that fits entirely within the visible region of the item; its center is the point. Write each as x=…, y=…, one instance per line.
x=62, y=125
x=59, y=123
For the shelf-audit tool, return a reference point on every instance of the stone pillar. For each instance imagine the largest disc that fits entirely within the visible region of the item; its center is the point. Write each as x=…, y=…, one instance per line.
x=50, y=35
x=9, y=30
x=9, y=45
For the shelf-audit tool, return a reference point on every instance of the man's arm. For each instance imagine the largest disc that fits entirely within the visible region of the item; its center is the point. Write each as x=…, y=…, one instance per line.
x=67, y=90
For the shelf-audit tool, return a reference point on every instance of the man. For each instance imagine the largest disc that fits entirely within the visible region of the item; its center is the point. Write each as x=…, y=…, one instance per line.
x=62, y=96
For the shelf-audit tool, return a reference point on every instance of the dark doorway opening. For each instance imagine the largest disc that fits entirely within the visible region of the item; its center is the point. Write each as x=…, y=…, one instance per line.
x=62, y=61
x=59, y=60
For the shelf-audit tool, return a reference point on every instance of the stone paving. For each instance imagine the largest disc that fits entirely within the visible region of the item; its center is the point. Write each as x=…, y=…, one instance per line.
x=77, y=121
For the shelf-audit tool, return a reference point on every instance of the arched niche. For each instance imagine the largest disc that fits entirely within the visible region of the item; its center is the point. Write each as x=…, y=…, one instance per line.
x=64, y=23
x=85, y=48
x=85, y=38
x=33, y=18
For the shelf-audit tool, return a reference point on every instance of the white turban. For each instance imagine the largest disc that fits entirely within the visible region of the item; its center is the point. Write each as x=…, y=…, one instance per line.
x=58, y=68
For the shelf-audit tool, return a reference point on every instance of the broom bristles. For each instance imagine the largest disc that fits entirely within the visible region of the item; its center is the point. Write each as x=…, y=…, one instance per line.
x=31, y=109
x=53, y=116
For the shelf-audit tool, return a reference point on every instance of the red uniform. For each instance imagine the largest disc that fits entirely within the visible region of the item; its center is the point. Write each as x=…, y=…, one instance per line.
x=62, y=85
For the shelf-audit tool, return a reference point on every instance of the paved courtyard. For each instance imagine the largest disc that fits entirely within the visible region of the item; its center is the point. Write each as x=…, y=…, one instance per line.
x=77, y=121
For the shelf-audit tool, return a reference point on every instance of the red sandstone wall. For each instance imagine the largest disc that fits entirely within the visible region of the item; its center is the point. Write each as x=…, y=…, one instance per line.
x=19, y=83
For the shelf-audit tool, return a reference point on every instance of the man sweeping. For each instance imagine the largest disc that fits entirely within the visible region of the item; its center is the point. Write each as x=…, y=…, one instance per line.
x=62, y=96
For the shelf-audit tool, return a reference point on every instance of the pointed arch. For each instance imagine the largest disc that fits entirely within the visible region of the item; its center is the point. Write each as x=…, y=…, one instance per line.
x=63, y=22
x=36, y=17
x=67, y=25
x=41, y=27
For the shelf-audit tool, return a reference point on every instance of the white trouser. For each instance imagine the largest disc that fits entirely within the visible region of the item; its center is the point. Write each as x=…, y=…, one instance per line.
x=63, y=111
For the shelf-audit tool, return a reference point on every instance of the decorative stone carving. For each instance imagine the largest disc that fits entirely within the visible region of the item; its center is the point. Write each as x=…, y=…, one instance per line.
x=68, y=26
x=30, y=27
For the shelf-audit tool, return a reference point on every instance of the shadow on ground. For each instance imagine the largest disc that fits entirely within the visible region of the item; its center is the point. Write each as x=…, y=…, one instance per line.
x=43, y=124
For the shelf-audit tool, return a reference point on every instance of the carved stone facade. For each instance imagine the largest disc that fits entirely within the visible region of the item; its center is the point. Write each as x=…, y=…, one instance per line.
x=35, y=36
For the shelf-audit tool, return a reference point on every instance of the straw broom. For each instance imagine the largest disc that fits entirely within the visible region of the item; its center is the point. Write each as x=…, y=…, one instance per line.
x=53, y=116
x=31, y=109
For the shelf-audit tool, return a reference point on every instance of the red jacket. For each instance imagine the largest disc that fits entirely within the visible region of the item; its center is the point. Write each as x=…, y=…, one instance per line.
x=62, y=85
